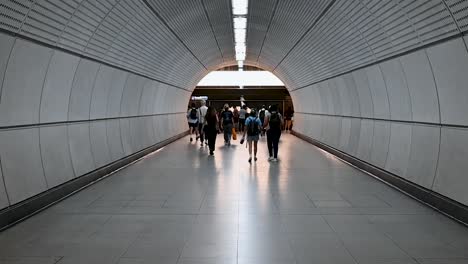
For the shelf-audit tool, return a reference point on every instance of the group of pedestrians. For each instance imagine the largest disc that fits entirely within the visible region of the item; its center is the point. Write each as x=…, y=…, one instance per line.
x=205, y=124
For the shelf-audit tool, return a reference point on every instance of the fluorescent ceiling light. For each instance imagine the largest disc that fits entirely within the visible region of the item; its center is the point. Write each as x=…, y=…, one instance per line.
x=240, y=64
x=240, y=23
x=240, y=78
x=239, y=7
x=240, y=35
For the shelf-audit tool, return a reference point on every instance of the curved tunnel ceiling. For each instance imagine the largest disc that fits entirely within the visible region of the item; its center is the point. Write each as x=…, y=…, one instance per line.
x=179, y=42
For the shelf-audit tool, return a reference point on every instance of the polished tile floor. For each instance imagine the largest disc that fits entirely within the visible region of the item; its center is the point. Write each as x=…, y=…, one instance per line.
x=179, y=205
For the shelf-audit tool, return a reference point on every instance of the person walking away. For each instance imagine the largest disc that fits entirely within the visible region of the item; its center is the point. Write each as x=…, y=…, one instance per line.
x=261, y=116
x=211, y=128
x=242, y=117
x=193, y=118
x=288, y=118
x=253, y=127
x=273, y=123
x=202, y=113
x=227, y=123
x=235, y=118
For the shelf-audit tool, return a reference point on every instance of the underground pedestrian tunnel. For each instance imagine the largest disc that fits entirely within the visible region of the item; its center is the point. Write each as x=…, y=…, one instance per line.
x=88, y=87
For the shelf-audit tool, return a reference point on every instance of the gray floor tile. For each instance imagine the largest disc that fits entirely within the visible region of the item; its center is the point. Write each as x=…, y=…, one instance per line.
x=179, y=206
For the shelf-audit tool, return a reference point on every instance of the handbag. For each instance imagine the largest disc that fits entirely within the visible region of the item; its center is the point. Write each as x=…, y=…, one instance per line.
x=234, y=134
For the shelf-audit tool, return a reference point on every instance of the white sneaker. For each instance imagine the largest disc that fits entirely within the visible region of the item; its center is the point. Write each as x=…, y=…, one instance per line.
x=270, y=159
x=275, y=160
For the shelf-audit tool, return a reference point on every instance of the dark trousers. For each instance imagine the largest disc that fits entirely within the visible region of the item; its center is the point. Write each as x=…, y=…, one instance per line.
x=273, y=137
x=241, y=125
x=211, y=135
x=202, y=133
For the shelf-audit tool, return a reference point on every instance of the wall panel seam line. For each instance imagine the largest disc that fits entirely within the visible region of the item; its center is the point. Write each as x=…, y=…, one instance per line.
x=362, y=37
x=89, y=115
x=452, y=16
x=4, y=183
x=84, y=56
x=20, y=28
x=268, y=29
x=65, y=26
x=410, y=51
x=43, y=84
x=148, y=5
x=52, y=52
x=407, y=88
x=440, y=119
x=100, y=23
x=391, y=120
x=212, y=29
x=73, y=86
x=325, y=11
x=6, y=67
x=83, y=121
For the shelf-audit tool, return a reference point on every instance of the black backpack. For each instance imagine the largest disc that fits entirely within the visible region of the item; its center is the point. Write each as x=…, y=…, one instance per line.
x=193, y=114
x=252, y=129
x=274, y=121
x=261, y=115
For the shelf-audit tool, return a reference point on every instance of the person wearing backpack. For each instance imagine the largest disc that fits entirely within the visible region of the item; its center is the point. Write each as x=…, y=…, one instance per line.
x=273, y=124
x=193, y=118
x=227, y=124
x=253, y=126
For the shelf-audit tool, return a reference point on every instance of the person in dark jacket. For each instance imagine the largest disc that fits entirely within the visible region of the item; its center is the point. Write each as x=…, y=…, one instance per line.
x=211, y=128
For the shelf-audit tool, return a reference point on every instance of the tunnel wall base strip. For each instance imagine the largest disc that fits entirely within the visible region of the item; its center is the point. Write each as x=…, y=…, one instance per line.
x=445, y=205
x=25, y=209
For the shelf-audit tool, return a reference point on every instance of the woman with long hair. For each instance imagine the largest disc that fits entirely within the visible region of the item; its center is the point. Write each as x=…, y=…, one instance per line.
x=211, y=128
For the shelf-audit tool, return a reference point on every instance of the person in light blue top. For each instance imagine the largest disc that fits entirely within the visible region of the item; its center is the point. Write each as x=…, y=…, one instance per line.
x=252, y=129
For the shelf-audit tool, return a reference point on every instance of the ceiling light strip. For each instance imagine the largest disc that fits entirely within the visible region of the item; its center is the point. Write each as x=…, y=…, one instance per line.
x=239, y=11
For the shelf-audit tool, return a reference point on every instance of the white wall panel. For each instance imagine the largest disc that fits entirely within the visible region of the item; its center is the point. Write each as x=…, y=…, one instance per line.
x=100, y=96
x=366, y=105
x=3, y=195
x=82, y=88
x=380, y=143
x=335, y=97
x=422, y=88
x=148, y=98
x=18, y=148
x=450, y=63
x=131, y=95
x=22, y=84
x=55, y=155
x=99, y=145
x=345, y=134
x=379, y=92
x=451, y=179
x=399, y=149
x=114, y=141
x=119, y=81
x=350, y=94
x=398, y=94
x=365, y=139
x=156, y=128
x=160, y=97
x=57, y=87
x=6, y=45
x=126, y=137
x=326, y=97
x=80, y=148
x=424, y=154
x=354, y=136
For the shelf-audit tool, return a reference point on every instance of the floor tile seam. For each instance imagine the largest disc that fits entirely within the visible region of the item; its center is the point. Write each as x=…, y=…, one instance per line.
x=341, y=241
x=133, y=242
x=398, y=246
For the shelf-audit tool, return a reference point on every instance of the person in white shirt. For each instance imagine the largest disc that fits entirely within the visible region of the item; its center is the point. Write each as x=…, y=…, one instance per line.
x=242, y=117
x=201, y=125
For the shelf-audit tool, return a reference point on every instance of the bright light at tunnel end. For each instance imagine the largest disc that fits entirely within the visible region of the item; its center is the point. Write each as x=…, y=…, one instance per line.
x=240, y=11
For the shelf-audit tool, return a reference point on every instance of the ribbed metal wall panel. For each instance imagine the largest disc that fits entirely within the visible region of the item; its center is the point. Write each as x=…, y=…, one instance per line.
x=260, y=13
x=355, y=33
x=220, y=17
x=189, y=21
x=459, y=9
x=292, y=19
x=123, y=33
